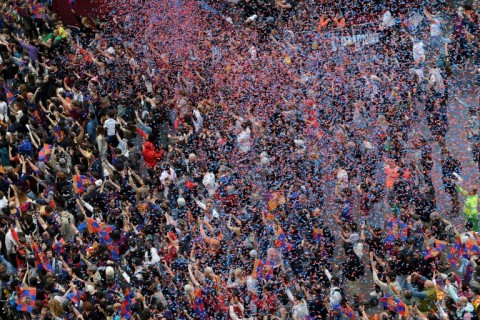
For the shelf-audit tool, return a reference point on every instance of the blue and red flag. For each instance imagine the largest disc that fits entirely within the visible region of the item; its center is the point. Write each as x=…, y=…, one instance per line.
x=456, y=251
x=396, y=229
x=38, y=11
x=81, y=183
x=317, y=235
x=58, y=133
x=59, y=246
x=199, y=304
x=471, y=247
x=263, y=269
x=9, y=94
x=91, y=224
x=105, y=239
x=75, y=296
x=395, y=305
x=348, y=312
x=281, y=241
x=41, y=260
x=26, y=298
x=45, y=152
x=128, y=301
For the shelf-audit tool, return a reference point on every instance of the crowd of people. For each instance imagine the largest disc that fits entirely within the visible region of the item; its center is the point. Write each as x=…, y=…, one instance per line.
x=224, y=160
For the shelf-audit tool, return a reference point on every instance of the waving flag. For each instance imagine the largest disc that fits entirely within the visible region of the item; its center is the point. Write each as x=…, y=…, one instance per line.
x=275, y=199
x=317, y=235
x=81, y=183
x=396, y=229
x=263, y=269
x=41, y=260
x=45, y=152
x=199, y=304
x=394, y=304
x=281, y=241
x=456, y=251
x=26, y=299
x=58, y=133
x=348, y=312
x=471, y=247
x=91, y=224
x=59, y=246
x=105, y=239
x=9, y=94
x=127, y=303
x=75, y=296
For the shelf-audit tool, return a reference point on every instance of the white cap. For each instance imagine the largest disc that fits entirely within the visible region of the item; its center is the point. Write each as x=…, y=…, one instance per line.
x=98, y=183
x=111, y=50
x=109, y=271
x=208, y=270
x=90, y=289
x=188, y=288
x=253, y=253
x=181, y=202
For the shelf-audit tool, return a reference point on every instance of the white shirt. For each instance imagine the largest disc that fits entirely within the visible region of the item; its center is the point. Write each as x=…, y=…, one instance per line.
x=243, y=140
x=300, y=311
x=10, y=243
x=168, y=174
x=3, y=203
x=209, y=183
x=78, y=97
x=3, y=110
x=418, y=51
x=109, y=125
x=436, y=27
x=387, y=20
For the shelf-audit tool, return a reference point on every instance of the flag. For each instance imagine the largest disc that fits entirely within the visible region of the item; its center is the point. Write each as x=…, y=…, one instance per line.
x=394, y=304
x=105, y=239
x=41, y=260
x=348, y=312
x=59, y=246
x=396, y=229
x=317, y=235
x=38, y=11
x=275, y=199
x=9, y=94
x=471, y=247
x=81, y=183
x=440, y=244
x=58, y=133
x=91, y=224
x=26, y=299
x=128, y=301
x=263, y=269
x=199, y=304
x=456, y=251
x=281, y=241
x=45, y=152
x=431, y=253
x=75, y=296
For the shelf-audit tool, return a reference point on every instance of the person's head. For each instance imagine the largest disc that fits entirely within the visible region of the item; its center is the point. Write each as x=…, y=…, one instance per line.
x=56, y=308
x=472, y=192
x=100, y=131
x=87, y=307
x=429, y=284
